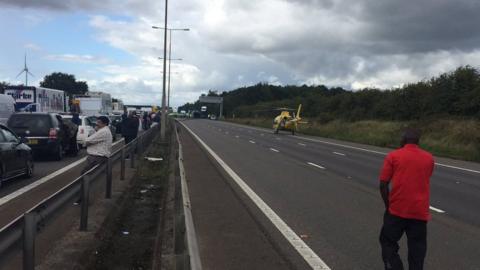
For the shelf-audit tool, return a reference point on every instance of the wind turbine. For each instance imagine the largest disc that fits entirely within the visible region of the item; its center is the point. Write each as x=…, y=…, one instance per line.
x=25, y=69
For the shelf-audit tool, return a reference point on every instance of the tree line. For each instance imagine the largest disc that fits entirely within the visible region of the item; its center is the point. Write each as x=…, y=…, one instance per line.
x=455, y=93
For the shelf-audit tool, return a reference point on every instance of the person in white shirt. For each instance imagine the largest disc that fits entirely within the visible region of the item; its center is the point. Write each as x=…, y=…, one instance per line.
x=99, y=145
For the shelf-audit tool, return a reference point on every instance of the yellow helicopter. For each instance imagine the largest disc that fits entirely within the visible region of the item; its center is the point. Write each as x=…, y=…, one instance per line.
x=287, y=121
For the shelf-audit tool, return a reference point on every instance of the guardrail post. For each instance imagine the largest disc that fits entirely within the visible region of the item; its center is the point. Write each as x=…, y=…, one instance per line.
x=108, y=191
x=84, y=202
x=132, y=154
x=122, y=164
x=29, y=231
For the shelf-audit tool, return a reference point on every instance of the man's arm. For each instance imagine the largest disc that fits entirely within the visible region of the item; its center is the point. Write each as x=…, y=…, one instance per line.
x=95, y=138
x=384, y=191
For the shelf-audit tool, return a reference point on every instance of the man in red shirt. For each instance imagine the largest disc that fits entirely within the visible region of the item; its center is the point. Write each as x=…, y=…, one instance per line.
x=407, y=203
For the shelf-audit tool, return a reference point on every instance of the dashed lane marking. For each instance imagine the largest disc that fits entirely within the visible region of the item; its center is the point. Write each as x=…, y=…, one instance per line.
x=274, y=150
x=316, y=165
x=437, y=210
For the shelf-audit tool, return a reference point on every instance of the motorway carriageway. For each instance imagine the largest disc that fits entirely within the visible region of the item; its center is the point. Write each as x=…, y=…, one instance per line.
x=20, y=194
x=326, y=192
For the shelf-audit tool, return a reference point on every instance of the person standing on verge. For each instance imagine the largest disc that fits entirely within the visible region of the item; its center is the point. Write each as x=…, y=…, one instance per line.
x=130, y=127
x=99, y=145
x=407, y=203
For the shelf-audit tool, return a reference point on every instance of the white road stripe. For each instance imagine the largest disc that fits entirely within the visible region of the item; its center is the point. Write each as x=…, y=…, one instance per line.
x=315, y=165
x=279, y=139
x=251, y=141
x=382, y=153
x=43, y=180
x=274, y=150
x=340, y=154
x=302, y=248
x=236, y=136
x=302, y=144
x=437, y=210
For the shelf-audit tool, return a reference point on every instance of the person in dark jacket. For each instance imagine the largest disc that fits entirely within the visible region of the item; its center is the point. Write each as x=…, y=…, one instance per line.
x=76, y=119
x=130, y=127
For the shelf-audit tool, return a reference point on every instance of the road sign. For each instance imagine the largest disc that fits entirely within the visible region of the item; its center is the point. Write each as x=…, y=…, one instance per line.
x=206, y=99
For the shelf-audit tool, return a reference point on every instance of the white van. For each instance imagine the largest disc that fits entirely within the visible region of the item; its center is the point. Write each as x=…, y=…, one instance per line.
x=7, y=107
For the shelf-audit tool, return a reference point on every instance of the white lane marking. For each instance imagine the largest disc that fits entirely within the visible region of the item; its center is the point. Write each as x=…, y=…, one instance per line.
x=274, y=150
x=437, y=210
x=279, y=139
x=302, y=248
x=316, y=165
x=382, y=153
x=302, y=144
x=236, y=136
x=251, y=141
x=43, y=180
x=340, y=154
x=458, y=168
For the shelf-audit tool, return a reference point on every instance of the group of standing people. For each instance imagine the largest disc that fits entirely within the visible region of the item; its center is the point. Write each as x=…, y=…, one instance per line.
x=131, y=124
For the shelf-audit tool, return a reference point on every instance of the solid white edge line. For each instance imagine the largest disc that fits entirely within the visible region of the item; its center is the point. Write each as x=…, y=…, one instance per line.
x=274, y=150
x=43, y=180
x=193, y=250
x=302, y=248
x=437, y=210
x=316, y=165
x=340, y=154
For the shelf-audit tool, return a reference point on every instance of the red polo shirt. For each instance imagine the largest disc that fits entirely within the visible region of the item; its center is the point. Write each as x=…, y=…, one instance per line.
x=409, y=169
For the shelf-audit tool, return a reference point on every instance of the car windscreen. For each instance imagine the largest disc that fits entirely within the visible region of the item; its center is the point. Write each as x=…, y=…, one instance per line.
x=36, y=125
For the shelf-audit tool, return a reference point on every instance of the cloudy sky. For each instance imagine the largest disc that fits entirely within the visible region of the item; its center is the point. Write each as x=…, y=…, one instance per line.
x=233, y=43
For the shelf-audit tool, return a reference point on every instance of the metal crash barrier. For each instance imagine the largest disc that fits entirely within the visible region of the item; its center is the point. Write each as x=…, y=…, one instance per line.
x=20, y=234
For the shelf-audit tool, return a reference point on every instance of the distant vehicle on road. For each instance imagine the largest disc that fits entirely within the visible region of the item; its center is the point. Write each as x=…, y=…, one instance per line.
x=94, y=103
x=7, y=108
x=15, y=157
x=85, y=129
x=37, y=99
x=46, y=132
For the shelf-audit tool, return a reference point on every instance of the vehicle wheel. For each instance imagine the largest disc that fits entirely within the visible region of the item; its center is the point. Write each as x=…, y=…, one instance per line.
x=28, y=168
x=59, y=152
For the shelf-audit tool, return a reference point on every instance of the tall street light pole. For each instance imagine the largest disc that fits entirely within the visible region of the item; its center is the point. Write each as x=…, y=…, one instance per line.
x=169, y=74
x=164, y=60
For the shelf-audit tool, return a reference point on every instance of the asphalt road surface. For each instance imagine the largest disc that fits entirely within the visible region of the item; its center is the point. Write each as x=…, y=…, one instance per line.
x=327, y=192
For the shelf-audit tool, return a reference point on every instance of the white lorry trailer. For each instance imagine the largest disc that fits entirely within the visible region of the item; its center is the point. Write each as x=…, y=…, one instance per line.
x=7, y=108
x=94, y=103
x=37, y=99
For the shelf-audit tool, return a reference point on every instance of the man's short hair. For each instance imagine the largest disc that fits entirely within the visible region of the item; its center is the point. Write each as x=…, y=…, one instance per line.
x=104, y=120
x=411, y=135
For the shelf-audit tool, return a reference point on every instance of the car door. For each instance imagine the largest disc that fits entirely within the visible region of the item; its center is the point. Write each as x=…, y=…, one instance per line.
x=19, y=155
x=8, y=152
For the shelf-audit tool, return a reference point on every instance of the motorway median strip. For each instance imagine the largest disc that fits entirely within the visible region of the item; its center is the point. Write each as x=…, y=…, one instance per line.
x=313, y=260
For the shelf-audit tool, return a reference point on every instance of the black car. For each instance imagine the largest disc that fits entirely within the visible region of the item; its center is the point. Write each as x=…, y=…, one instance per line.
x=46, y=132
x=15, y=156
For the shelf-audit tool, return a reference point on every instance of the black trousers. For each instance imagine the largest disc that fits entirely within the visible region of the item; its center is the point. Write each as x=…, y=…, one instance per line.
x=392, y=230
x=92, y=161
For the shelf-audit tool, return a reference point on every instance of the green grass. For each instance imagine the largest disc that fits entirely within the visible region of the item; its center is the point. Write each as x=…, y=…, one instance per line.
x=453, y=138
